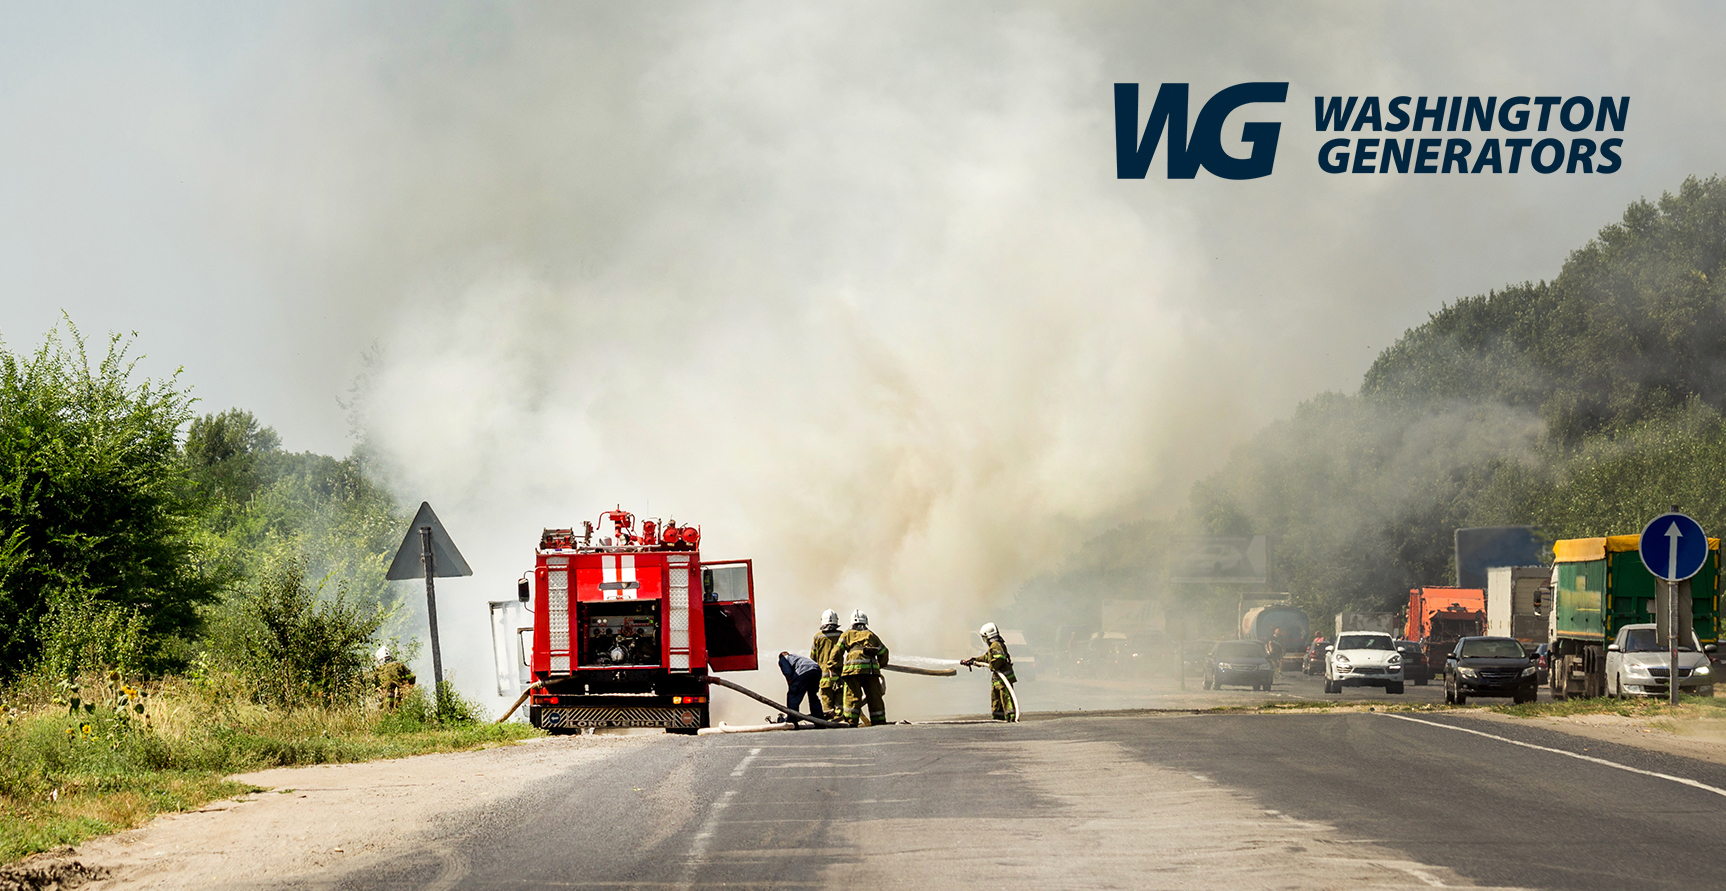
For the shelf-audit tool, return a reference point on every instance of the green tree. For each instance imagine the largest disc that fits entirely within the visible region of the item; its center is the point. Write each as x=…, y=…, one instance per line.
x=94, y=498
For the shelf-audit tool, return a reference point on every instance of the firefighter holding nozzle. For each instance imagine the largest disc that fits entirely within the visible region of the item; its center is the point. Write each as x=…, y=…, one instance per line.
x=1000, y=664
x=864, y=655
x=827, y=654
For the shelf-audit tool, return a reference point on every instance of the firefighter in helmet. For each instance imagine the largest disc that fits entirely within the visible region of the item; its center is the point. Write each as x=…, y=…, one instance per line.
x=863, y=656
x=1000, y=665
x=826, y=653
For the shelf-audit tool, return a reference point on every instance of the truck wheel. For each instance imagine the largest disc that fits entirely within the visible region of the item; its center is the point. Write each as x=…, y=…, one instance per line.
x=1395, y=690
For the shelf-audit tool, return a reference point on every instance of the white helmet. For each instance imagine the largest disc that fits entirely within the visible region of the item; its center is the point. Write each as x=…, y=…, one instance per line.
x=989, y=631
x=829, y=619
x=383, y=654
x=858, y=620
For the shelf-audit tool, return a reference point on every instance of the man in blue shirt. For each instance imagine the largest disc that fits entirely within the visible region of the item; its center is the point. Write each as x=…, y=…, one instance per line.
x=803, y=678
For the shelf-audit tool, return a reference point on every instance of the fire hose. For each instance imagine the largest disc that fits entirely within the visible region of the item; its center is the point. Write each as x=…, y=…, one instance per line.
x=1011, y=693
x=798, y=716
x=519, y=700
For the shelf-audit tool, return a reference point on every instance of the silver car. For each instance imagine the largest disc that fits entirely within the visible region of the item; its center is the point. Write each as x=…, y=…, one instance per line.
x=1636, y=665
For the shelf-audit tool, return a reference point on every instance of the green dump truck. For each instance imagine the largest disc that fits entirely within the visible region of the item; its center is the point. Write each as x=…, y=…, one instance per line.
x=1603, y=586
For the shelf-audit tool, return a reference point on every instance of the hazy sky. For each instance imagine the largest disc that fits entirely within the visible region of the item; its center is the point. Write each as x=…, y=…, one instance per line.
x=852, y=285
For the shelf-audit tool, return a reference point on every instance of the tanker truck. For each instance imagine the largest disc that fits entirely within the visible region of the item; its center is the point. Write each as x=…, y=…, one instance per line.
x=627, y=628
x=1262, y=624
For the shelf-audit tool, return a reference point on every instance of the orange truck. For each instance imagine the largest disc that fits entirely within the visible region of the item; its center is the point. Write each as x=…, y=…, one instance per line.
x=1439, y=616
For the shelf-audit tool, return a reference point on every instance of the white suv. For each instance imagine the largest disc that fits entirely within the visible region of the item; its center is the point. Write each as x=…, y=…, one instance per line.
x=1363, y=659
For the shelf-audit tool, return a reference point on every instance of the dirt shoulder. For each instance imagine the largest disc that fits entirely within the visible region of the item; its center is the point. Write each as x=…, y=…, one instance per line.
x=311, y=819
x=1701, y=738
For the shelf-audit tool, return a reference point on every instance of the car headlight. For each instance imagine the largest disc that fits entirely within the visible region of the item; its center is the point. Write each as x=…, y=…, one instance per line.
x=1465, y=672
x=1340, y=660
x=1702, y=669
x=1394, y=660
x=1266, y=666
x=1528, y=672
x=1638, y=670
x=1224, y=666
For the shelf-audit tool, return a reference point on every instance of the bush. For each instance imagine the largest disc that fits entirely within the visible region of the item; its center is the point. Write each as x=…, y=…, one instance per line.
x=294, y=646
x=81, y=633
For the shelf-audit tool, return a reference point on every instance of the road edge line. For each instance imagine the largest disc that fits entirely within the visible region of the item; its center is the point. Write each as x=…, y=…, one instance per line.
x=1602, y=761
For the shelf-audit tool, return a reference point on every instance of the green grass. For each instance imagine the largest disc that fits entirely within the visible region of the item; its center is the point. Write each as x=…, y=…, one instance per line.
x=1687, y=707
x=68, y=777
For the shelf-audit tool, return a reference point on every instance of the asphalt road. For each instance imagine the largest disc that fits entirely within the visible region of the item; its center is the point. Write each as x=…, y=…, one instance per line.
x=1137, y=801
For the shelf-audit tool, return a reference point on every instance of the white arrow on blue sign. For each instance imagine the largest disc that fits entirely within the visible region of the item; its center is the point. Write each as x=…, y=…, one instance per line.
x=1673, y=547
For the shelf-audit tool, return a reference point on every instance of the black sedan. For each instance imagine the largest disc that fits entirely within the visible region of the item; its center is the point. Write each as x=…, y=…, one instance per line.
x=1490, y=666
x=1238, y=662
x=1414, y=667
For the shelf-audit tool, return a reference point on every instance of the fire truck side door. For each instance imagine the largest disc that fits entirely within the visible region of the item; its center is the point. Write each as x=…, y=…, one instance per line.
x=728, y=614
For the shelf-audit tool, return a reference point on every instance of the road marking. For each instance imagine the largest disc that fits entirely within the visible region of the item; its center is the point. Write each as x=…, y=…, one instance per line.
x=1602, y=761
x=744, y=764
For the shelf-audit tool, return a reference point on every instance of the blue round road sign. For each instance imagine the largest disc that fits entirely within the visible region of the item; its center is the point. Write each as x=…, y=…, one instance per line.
x=1673, y=547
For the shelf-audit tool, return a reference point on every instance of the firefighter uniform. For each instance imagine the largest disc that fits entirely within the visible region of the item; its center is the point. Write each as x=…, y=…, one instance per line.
x=863, y=654
x=826, y=653
x=394, y=681
x=1000, y=663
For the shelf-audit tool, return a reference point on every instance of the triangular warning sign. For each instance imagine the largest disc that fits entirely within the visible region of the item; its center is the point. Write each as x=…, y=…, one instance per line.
x=447, y=562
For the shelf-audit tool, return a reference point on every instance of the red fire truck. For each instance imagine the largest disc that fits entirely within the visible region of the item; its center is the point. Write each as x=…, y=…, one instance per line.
x=626, y=629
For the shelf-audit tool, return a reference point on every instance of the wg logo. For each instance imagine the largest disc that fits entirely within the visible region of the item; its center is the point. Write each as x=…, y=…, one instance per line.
x=1133, y=154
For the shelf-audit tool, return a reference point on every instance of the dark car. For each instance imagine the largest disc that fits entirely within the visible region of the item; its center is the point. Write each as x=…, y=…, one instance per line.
x=1414, y=667
x=1240, y=663
x=1313, y=661
x=1490, y=666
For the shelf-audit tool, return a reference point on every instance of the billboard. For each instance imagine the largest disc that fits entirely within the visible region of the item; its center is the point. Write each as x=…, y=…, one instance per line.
x=1220, y=560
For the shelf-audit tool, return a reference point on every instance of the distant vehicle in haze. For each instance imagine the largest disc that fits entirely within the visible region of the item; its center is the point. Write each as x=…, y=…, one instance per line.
x=1313, y=661
x=1106, y=655
x=1151, y=652
x=1238, y=663
x=1637, y=665
x=1542, y=661
x=1363, y=659
x=1279, y=622
x=1490, y=666
x=1385, y=622
x=1414, y=667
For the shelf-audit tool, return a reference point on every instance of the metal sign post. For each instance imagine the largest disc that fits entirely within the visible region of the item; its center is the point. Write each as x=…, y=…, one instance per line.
x=427, y=551
x=430, y=561
x=1673, y=547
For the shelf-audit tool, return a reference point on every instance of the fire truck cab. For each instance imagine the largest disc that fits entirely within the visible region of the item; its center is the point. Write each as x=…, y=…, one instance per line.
x=626, y=629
